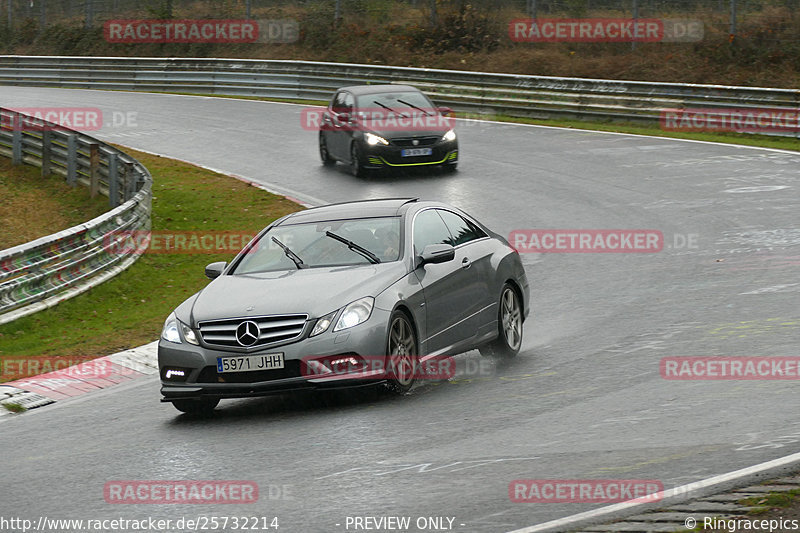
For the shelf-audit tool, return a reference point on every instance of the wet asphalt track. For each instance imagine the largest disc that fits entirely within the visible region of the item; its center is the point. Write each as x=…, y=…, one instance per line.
x=583, y=400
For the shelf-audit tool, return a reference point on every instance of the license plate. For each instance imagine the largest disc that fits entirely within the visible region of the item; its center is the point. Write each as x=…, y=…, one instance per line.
x=249, y=363
x=412, y=152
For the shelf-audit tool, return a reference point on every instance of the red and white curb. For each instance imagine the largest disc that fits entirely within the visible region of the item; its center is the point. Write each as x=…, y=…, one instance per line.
x=89, y=376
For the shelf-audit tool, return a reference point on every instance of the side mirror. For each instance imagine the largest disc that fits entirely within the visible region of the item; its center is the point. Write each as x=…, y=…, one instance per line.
x=448, y=112
x=214, y=270
x=436, y=253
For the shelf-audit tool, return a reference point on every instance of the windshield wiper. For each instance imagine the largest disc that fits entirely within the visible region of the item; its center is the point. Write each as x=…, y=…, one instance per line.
x=415, y=107
x=290, y=254
x=355, y=247
x=389, y=109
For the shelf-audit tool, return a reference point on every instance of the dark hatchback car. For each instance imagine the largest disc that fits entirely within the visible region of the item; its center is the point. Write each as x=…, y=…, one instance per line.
x=373, y=127
x=320, y=294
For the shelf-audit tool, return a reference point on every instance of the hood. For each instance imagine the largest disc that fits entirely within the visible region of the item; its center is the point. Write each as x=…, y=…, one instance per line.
x=314, y=291
x=417, y=126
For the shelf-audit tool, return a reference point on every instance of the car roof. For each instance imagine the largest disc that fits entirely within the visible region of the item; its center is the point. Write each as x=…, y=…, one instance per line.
x=360, y=90
x=381, y=207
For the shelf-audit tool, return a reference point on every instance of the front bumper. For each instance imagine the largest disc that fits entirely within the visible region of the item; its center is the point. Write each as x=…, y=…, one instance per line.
x=382, y=156
x=201, y=379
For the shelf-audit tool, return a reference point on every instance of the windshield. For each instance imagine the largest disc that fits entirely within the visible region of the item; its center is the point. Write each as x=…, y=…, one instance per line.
x=311, y=244
x=406, y=103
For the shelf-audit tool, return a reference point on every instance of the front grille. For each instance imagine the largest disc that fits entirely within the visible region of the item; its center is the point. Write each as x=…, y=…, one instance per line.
x=422, y=141
x=291, y=369
x=274, y=328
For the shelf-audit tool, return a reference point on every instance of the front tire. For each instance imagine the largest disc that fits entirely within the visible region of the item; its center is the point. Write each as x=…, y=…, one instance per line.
x=355, y=162
x=324, y=154
x=401, y=347
x=196, y=407
x=509, y=324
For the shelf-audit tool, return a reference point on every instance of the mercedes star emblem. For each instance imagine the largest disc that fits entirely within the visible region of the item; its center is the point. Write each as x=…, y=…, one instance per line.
x=247, y=333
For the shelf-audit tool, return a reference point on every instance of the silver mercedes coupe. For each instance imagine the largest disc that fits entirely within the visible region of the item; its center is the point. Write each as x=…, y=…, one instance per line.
x=344, y=295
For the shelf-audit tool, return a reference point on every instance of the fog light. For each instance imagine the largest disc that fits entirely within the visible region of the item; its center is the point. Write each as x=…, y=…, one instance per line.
x=342, y=365
x=175, y=374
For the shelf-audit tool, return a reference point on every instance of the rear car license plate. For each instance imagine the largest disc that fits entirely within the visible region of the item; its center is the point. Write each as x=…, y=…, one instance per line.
x=412, y=152
x=249, y=363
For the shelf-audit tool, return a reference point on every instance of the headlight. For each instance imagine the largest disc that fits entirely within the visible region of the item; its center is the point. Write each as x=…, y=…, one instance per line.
x=188, y=333
x=449, y=136
x=373, y=139
x=170, y=332
x=355, y=313
x=323, y=323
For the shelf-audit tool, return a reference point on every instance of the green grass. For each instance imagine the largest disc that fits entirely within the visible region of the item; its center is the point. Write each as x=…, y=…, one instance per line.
x=130, y=309
x=747, y=139
x=765, y=503
x=33, y=206
x=14, y=407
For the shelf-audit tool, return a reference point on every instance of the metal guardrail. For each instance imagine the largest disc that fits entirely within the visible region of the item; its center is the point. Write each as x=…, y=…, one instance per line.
x=541, y=97
x=43, y=272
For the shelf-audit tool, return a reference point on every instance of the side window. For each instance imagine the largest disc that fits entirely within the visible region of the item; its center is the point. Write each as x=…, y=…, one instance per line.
x=339, y=102
x=349, y=102
x=462, y=229
x=429, y=228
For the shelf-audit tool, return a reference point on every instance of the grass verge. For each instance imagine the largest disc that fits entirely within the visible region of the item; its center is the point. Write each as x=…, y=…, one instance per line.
x=14, y=407
x=34, y=206
x=772, y=501
x=130, y=309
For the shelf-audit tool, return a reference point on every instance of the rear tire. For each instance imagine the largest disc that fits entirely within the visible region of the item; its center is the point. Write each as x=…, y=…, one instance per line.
x=509, y=325
x=196, y=407
x=401, y=347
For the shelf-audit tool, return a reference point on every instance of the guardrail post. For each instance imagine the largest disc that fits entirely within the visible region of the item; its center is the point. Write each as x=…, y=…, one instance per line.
x=88, y=13
x=113, y=181
x=94, y=169
x=47, y=151
x=72, y=159
x=42, y=16
x=532, y=9
x=128, y=180
x=16, y=141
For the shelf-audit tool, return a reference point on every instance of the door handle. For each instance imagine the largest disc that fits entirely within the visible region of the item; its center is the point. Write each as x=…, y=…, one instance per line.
x=465, y=263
